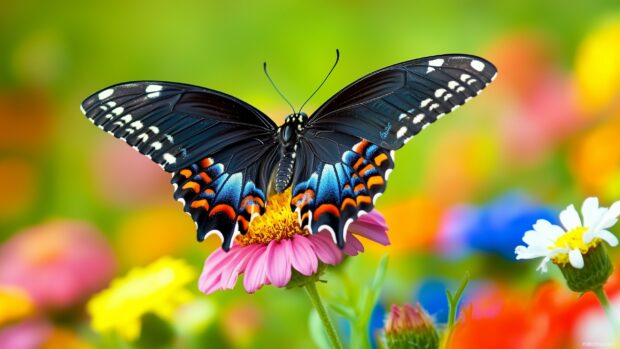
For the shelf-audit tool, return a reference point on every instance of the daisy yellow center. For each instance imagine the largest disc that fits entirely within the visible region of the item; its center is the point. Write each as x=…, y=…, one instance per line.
x=279, y=222
x=572, y=240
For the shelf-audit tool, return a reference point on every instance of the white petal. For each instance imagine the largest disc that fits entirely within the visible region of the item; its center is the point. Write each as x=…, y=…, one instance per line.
x=575, y=258
x=606, y=235
x=535, y=238
x=552, y=231
x=589, y=210
x=543, y=265
x=610, y=217
x=531, y=252
x=570, y=218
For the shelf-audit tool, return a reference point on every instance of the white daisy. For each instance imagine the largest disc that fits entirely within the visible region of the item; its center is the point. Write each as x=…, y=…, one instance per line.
x=575, y=239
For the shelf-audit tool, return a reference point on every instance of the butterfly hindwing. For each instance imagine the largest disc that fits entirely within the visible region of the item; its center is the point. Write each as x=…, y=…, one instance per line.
x=221, y=202
x=219, y=149
x=336, y=194
x=347, y=145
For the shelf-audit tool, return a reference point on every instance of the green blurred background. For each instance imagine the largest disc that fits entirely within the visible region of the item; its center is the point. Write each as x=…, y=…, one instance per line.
x=544, y=132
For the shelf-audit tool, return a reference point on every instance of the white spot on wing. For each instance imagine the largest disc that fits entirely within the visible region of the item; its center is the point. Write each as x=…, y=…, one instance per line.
x=169, y=158
x=153, y=91
x=476, y=64
x=105, y=94
x=401, y=132
x=137, y=124
x=155, y=129
x=156, y=145
x=425, y=102
x=465, y=77
x=438, y=62
x=82, y=110
x=453, y=84
x=439, y=92
x=418, y=118
x=118, y=110
x=126, y=118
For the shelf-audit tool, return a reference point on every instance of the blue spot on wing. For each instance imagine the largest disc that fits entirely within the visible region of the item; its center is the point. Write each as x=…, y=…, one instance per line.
x=328, y=186
x=386, y=131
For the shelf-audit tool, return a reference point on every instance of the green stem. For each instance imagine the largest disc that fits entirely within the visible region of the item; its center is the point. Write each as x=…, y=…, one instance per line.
x=313, y=293
x=609, y=311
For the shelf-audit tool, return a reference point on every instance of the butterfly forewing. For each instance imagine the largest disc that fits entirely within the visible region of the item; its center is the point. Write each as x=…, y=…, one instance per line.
x=349, y=140
x=220, y=149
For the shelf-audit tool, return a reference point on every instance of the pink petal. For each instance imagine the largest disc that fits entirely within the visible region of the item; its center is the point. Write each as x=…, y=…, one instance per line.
x=375, y=218
x=256, y=271
x=371, y=226
x=325, y=248
x=238, y=266
x=353, y=246
x=211, y=272
x=278, y=263
x=303, y=257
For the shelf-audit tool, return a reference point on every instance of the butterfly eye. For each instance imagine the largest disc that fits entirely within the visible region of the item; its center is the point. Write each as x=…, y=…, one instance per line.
x=287, y=133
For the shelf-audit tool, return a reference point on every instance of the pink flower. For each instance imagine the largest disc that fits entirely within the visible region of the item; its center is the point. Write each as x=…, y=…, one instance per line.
x=58, y=263
x=272, y=262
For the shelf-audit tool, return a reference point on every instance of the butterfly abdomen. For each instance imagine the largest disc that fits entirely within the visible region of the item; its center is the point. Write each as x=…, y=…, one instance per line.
x=284, y=170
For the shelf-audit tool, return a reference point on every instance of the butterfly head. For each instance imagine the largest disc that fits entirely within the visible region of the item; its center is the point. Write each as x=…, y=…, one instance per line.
x=293, y=125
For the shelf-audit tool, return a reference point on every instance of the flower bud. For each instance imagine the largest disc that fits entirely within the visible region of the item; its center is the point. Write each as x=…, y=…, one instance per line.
x=596, y=270
x=410, y=327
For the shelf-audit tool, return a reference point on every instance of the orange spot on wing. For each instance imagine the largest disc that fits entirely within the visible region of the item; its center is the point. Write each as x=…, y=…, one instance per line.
x=363, y=198
x=192, y=185
x=379, y=159
x=359, y=187
x=200, y=203
x=186, y=173
x=375, y=180
x=347, y=202
x=205, y=177
x=326, y=208
x=223, y=208
x=358, y=163
x=347, y=186
x=366, y=169
x=245, y=225
x=360, y=147
x=206, y=162
x=209, y=191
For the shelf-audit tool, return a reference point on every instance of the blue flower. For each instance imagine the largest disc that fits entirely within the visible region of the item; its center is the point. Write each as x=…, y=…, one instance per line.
x=495, y=228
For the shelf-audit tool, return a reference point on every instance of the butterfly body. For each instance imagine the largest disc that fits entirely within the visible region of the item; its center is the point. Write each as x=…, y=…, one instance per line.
x=225, y=156
x=288, y=135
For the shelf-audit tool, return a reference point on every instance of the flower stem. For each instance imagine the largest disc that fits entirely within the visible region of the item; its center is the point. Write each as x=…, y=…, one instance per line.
x=313, y=293
x=602, y=298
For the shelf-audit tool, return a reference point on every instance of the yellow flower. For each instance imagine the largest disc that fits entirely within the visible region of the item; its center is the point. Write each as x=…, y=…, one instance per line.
x=15, y=304
x=597, y=69
x=158, y=288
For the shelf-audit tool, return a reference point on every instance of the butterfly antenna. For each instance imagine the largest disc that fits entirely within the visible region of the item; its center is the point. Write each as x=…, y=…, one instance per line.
x=328, y=74
x=276, y=87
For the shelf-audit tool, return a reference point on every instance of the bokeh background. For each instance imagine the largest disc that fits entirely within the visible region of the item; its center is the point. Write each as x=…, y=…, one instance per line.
x=79, y=208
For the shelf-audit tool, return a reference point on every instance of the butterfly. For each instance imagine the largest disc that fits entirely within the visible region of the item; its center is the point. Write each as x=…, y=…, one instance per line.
x=226, y=156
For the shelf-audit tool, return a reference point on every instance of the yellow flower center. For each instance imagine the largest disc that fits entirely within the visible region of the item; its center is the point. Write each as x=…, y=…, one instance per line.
x=279, y=222
x=572, y=240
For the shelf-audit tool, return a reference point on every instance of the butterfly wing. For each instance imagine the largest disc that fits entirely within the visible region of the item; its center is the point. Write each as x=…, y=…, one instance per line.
x=220, y=150
x=348, y=143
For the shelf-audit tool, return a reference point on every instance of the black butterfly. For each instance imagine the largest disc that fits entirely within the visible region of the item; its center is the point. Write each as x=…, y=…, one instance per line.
x=226, y=155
